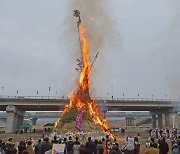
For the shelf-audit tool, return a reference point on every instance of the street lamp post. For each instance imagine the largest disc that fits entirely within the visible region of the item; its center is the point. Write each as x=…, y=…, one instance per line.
x=112, y=91
x=2, y=90
x=104, y=108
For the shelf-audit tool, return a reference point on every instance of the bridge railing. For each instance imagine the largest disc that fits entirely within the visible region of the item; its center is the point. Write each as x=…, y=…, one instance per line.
x=7, y=97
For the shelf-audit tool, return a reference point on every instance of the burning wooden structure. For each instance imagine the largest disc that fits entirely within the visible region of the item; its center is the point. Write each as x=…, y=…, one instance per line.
x=81, y=97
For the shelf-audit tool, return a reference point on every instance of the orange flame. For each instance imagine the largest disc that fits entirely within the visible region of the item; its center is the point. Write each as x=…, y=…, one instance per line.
x=82, y=97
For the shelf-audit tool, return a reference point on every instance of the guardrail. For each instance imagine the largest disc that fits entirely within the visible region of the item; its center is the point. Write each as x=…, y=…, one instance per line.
x=7, y=97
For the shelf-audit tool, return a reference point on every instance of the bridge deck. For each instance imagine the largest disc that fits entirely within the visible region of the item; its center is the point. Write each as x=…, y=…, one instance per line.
x=54, y=103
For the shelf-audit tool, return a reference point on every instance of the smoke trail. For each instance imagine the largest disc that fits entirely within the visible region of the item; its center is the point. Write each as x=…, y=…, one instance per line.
x=174, y=63
x=101, y=32
x=95, y=16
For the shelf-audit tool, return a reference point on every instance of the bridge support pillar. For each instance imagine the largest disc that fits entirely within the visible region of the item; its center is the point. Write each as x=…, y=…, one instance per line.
x=174, y=120
x=167, y=120
x=154, y=121
x=160, y=123
x=14, y=119
x=34, y=120
x=130, y=121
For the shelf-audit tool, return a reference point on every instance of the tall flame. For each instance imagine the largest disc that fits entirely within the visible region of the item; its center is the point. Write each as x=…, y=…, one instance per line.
x=81, y=96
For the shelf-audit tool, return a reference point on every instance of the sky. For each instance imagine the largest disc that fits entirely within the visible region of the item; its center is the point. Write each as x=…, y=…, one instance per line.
x=137, y=41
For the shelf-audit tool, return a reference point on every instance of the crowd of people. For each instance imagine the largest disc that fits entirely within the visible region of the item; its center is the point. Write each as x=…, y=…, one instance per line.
x=105, y=145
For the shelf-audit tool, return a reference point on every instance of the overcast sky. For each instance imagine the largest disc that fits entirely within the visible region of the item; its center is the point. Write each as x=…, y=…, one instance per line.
x=139, y=52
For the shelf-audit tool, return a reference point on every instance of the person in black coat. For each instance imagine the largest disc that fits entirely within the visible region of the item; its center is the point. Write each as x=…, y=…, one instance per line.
x=163, y=146
x=21, y=147
x=82, y=149
x=69, y=146
x=90, y=146
x=45, y=145
x=38, y=147
x=153, y=143
x=55, y=141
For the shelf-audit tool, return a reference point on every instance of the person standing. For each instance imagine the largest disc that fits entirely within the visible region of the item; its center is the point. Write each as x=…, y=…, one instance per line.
x=76, y=146
x=90, y=146
x=175, y=149
x=29, y=147
x=129, y=146
x=108, y=144
x=55, y=141
x=136, y=146
x=100, y=148
x=21, y=147
x=38, y=147
x=69, y=146
x=163, y=146
x=151, y=149
x=104, y=145
x=139, y=139
x=154, y=144
x=45, y=145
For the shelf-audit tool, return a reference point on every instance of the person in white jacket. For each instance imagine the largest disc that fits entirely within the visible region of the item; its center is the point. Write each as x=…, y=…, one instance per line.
x=129, y=146
x=76, y=146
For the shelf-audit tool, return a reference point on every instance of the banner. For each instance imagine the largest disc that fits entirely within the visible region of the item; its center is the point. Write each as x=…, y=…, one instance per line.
x=78, y=125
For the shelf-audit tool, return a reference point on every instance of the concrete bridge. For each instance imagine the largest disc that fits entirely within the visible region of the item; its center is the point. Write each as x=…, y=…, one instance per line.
x=16, y=107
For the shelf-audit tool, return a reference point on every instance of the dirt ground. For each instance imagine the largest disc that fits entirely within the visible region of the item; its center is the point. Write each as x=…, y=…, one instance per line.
x=120, y=137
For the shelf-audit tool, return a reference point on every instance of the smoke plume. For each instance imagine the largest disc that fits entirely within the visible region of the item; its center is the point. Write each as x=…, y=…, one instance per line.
x=95, y=15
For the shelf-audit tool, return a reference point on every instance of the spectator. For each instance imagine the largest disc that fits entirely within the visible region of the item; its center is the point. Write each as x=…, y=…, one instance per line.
x=77, y=141
x=100, y=148
x=38, y=147
x=21, y=147
x=45, y=145
x=129, y=146
x=69, y=146
x=139, y=139
x=108, y=144
x=153, y=143
x=82, y=149
x=10, y=147
x=76, y=146
x=160, y=132
x=3, y=146
x=136, y=146
x=151, y=149
x=60, y=141
x=90, y=146
x=157, y=133
x=1, y=149
x=43, y=133
x=49, y=151
x=115, y=150
x=163, y=146
x=55, y=141
x=104, y=145
x=175, y=149
x=95, y=146
x=178, y=143
x=29, y=147
x=65, y=142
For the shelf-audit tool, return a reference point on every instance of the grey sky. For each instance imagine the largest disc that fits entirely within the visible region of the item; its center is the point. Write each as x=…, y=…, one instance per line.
x=36, y=48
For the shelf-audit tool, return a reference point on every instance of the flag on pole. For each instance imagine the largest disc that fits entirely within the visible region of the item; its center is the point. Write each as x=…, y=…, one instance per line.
x=49, y=88
x=78, y=125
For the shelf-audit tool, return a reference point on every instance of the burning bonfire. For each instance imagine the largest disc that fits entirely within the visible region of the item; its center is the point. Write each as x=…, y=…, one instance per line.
x=81, y=99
